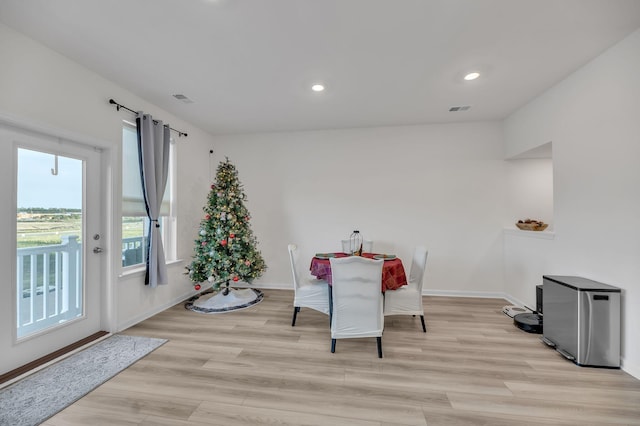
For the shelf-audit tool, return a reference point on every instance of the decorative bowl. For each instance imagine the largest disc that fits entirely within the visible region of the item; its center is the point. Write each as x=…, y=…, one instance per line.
x=532, y=225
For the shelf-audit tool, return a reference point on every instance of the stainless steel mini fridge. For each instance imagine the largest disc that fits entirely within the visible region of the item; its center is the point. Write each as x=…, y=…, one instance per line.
x=582, y=320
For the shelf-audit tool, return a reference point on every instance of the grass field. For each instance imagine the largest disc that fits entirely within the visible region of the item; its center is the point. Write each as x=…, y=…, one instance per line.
x=46, y=230
x=34, y=232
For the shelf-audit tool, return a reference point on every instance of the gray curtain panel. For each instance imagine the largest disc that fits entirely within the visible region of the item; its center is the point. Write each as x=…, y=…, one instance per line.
x=153, y=153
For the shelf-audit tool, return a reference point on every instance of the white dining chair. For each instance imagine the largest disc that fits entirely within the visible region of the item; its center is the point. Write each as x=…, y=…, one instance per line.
x=310, y=293
x=356, y=299
x=407, y=300
x=367, y=246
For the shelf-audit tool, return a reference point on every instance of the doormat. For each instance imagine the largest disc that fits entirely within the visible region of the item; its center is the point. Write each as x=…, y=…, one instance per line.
x=41, y=395
x=211, y=302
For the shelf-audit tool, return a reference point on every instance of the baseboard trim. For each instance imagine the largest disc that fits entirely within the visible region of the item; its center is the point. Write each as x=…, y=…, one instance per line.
x=478, y=294
x=518, y=302
x=287, y=286
x=629, y=368
x=135, y=320
x=267, y=286
x=425, y=292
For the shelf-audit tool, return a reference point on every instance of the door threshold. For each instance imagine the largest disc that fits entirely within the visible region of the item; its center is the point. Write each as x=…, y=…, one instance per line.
x=18, y=373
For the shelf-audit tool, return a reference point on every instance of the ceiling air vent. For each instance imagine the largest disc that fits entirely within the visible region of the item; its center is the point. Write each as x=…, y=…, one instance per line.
x=459, y=108
x=183, y=98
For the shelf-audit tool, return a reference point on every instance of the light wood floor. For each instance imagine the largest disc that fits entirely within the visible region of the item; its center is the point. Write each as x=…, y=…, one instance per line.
x=472, y=367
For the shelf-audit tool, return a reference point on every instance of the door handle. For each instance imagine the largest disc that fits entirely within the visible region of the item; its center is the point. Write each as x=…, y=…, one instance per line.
x=97, y=249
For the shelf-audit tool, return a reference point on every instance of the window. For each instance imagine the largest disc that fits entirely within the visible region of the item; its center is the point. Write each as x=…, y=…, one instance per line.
x=135, y=224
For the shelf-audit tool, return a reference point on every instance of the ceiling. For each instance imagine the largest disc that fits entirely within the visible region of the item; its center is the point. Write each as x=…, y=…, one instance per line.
x=248, y=65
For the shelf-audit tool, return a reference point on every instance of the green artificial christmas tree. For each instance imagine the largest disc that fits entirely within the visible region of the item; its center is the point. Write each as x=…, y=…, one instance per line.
x=226, y=249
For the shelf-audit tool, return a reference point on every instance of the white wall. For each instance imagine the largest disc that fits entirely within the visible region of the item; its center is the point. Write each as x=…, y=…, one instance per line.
x=592, y=119
x=441, y=186
x=41, y=88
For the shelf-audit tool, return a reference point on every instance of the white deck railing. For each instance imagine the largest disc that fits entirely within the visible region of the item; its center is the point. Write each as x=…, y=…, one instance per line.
x=52, y=293
x=133, y=250
x=49, y=281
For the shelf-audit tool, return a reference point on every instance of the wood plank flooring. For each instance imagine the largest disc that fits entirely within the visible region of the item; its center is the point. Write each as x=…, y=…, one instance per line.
x=250, y=367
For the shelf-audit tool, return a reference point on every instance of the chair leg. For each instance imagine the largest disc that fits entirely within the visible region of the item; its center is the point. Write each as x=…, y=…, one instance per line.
x=333, y=346
x=379, y=340
x=424, y=327
x=296, y=309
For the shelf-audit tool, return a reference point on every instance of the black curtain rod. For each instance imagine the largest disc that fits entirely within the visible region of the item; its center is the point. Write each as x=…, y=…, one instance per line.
x=118, y=106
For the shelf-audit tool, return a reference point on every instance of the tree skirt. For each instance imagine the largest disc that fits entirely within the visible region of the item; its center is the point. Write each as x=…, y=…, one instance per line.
x=217, y=302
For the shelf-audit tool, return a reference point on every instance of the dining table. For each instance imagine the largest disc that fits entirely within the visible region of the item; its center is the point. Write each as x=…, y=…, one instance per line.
x=393, y=274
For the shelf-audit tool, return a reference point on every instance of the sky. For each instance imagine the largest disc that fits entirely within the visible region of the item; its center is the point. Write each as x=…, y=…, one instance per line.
x=38, y=187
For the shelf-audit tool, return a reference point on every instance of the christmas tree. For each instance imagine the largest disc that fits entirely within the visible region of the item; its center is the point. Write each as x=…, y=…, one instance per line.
x=226, y=249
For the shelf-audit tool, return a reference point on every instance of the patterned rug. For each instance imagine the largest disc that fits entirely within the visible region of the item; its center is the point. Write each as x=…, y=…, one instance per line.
x=39, y=396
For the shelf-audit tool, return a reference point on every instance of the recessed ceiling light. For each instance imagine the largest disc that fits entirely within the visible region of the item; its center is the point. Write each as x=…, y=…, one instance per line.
x=472, y=76
x=317, y=87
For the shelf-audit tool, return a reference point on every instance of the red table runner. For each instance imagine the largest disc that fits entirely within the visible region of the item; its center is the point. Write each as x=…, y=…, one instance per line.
x=393, y=275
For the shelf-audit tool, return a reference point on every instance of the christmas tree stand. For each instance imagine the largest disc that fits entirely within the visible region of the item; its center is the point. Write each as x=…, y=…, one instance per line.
x=225, y=300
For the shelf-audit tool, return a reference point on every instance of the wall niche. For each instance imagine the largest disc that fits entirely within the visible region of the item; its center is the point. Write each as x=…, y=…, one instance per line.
x=530, y=186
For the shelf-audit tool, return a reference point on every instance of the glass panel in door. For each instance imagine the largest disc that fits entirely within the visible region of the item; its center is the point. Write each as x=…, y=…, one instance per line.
x=50, y=290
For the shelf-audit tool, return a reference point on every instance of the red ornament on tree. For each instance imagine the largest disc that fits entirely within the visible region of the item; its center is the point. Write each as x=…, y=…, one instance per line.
x=232, y=235
x=212, y=186
x=235, y=278
x=223, y=243
x=197, y=286
x=207, y=216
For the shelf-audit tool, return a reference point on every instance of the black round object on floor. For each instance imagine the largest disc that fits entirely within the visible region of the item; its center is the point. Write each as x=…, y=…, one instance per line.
x=529, y=322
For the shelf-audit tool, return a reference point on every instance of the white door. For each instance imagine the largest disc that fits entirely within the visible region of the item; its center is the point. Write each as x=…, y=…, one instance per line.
x=58, y=242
